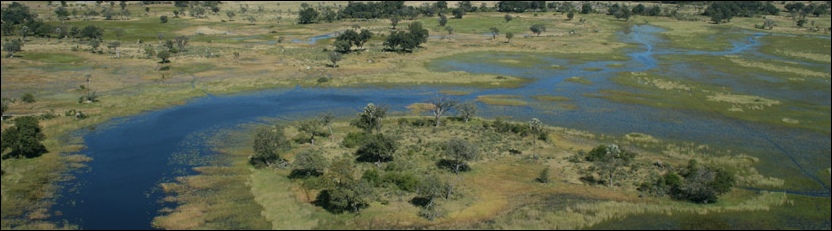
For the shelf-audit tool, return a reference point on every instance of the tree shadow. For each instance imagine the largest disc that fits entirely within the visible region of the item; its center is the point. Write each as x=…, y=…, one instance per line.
x=451, y=165
x=304, y=173
x=420, y=201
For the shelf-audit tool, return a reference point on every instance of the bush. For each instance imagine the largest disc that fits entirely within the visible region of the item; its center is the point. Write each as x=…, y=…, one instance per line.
x=354, y=139
x=377, y=148
x=28, y=98
x=163, y=19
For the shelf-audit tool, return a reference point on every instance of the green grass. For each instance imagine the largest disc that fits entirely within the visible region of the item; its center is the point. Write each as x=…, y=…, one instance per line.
x=580, y=80
x=60, y=58
x=701, y=97
x=551, y=98
x=502, y=100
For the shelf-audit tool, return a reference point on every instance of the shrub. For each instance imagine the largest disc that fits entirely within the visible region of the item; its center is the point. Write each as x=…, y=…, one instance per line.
x=354, y=139
x=28, y=98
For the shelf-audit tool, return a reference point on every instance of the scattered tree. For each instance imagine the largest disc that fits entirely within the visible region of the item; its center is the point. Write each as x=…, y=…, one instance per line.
x=508, y=18
x=334, y=57
x=467, y=110
x=609, y=160
x=309, y=163
x=163, y=18
x=370, y=118
x=15, y=45
x=115, y=45
x=461, y=151
x=269, y=144
x=394, y=20
x=441, y=104
x=327, y=119
x=307, y=16
x=443, y=20
x=431, y=188
x=230, y=15
x=310, y=127
x=570, y=15
x=509, y=36
x=458, y=13
x=538, y=28
x=377, y=148
x=494, y=32
x=164, y=55
x=24, y=139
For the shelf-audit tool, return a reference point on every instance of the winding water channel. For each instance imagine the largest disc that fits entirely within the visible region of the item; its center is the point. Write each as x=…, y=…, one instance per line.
x=133, y=155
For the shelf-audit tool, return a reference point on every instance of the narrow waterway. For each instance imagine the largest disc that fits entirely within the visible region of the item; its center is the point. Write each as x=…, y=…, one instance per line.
x=133, y=155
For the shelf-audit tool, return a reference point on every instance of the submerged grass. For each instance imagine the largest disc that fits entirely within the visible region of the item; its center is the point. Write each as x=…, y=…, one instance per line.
x=502, y=100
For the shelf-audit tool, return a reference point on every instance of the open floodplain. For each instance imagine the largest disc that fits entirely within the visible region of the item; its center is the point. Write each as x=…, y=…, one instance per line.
x=180, y=144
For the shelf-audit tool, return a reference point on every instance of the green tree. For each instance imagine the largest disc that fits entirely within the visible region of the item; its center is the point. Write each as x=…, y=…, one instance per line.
x=431, y=188
x=342, y=46
x=509, y=36
x=443, y=20
x=508, y=18
x=467, y=110
x=13, y=46
x=163, y=19
x=62, y=13
x=164, y=55
x=461, y=151
x=458, y=13
x=269, y=144
x=309, y=163
x=609, y=160
x=24, y=139
x=378, y=148
x=363, y=38
x=307, y=16
x=346, y=197
x=536, y=127
x=310, y=127
x=538, y=28
x=394, y=20
x=441, y=104
x=586, y=8
x=115, y=45
x=92, y=32
x=494, y=32
x=370, y=118
x=570, y=15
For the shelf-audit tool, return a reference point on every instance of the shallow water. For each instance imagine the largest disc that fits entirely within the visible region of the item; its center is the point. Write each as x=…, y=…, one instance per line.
x=133, y=155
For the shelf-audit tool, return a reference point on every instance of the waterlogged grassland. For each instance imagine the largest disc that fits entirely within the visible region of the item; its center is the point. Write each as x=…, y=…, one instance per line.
x=502, y=100
x=805, y=48
x=660, y=91
x=500, y=191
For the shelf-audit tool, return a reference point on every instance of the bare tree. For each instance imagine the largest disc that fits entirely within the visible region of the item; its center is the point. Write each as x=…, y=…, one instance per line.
x=441, y=104
x=326, y=119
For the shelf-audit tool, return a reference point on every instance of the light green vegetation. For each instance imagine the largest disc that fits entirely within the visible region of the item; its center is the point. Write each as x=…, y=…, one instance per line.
x=667, y=92
x=502, y=100
x=499, y=189
x=581, y=80
x=551, y=98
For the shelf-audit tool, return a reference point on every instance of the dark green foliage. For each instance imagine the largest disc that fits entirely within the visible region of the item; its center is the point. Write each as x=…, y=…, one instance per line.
x=458, y=13
x=382, y=9
x=17, y=13
x=308, y=163
x=538, y=28
x=377, y=148
x=345, y=41
x=443, y=20
x=508, y=18
x=28, y=98
x=513, y=6
x=345, y=197
x=505, y=127
x=570, y=15
x=307, y=16
x=92, y=32
x=23, y=140
x=407, y=41
x=269, y=143
x=163, y=18
x=355, y=139
x=695, y=183
x=164, y=55
x=723, y=11
x=586, y=8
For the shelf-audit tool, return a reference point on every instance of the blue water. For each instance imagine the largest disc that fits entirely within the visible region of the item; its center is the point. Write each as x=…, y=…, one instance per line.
x=314, y=39
x=132, y=155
